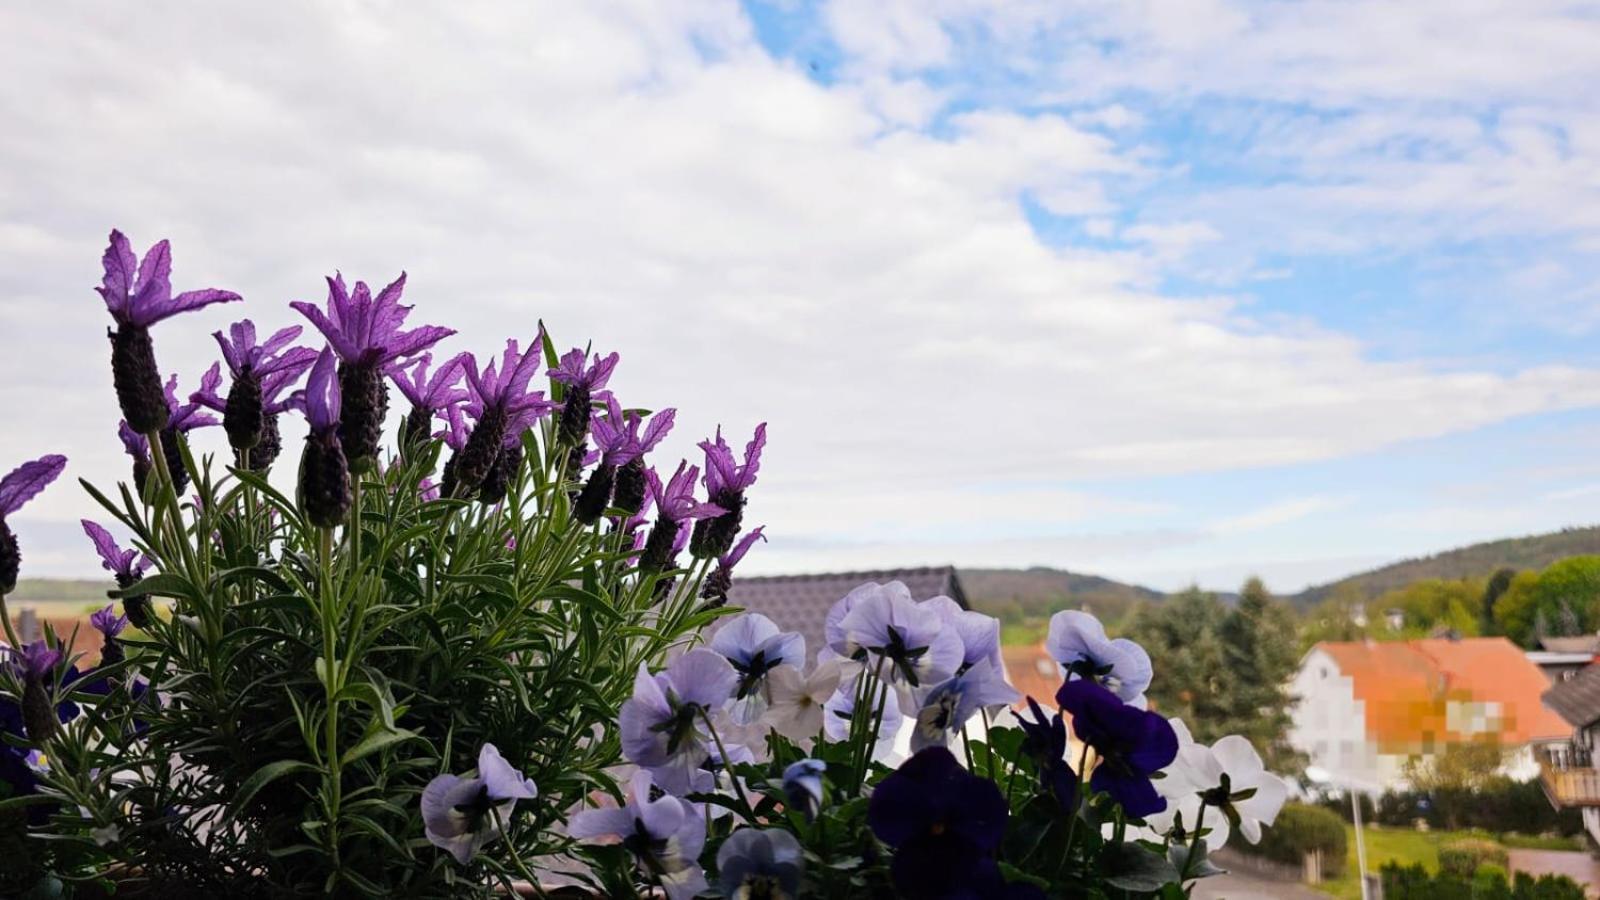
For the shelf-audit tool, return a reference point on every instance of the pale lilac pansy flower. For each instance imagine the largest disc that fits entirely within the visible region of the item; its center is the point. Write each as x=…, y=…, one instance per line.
x=664, y=724
x=979, y=633
x=840, y=710
x=802, y=786
x=665, y=836
x=1078, y=642
x=948, y=706
x=905, y=638
x=754, y=645
x=760, y=863
x=461, y=815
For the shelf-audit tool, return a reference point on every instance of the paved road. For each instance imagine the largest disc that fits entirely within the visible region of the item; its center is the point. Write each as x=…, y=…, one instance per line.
x=1580, y=867
x=1243, y=886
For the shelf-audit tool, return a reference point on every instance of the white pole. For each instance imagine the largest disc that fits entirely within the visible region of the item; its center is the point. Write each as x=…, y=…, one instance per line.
x=1361, y=844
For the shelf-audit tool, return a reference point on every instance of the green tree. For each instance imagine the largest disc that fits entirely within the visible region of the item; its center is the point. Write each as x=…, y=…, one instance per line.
x=1258, y=641
x=1516, y=610
x=1193, y=680
x=1566, y=597
x=1499, y=583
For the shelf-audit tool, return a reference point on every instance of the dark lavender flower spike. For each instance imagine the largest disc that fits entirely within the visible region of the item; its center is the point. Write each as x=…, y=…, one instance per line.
x=632, y=485
x=127, y=566
x=36, y=663
x=324, y=474
x=365, y=334
x=16, y=489
x=501, y=407
x=720, y=581
x=109, y=624
x=675, y=504
x=251, y=365
x=138, y=295
x=138, y=449
x=726, y=482
x=269, y=441
x=584, y=382
x=429, y=394
x=183, y=418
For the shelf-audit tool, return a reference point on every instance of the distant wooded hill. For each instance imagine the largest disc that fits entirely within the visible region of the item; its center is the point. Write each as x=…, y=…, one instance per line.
x=61, y=590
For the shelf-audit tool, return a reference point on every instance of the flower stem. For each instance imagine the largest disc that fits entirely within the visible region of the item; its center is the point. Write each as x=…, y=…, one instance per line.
x=749, y=811
x=330, y=683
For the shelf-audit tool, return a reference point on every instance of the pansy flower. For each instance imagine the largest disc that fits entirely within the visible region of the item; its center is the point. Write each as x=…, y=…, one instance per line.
x=324, y=474
x=796, y=700
x=760, y=862
x=949, y=705
x=1044, y=740
x=802, y=786
x=675, y=504
x=461, y=815
x=980, y=634
x=755, y=646
x=1229, y=779
x=904, y=635
x=944, y=822
x=138, y=295
x=840, y=711
x=726, y=482
x=1078, y=642
x=584, y=382
x=720, y=581
x=665, y=836
x=664, y=724
x=18, y=487
x=366, y=336
x=1132, y=744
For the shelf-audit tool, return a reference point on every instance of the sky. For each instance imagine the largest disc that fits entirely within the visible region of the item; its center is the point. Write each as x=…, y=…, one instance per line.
x=1171, y=292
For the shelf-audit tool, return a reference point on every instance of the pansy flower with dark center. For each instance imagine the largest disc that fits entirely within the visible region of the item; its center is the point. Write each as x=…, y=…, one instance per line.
x=501, y=408
x=1044, y=741
x=904, y=635
x=980, y=634
x=663, y=725
x=665, y=835
x=365, y=334
x=584, y=381
x=675, y=504
x=754, y=645
x=110, y=625
x=632, y=483
x=802, y=786
x=760, y=864
x=324, y=474
x=18, y=487
x=944, y=822
x=950, y=704
x=839, y=712
x=461, y=815
x=126, y=566
x=726, y=482
x=138, y=295
x=1078, y=642
x=430, y=394
x=1132, y=744
x=720, y=581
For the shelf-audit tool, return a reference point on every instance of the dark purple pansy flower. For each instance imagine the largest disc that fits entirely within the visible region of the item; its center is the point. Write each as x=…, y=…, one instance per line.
x=720, y=581
x=501, y=408
x=584, y=382
x=1045, y=742
x=675, y=504
x=138, y=295
x=365, y=334
x=324, y=475
x=726, y=482
x=429, y=393
x=461, y=815
x=1132, y=744
x=944, y=822
x=18, y=487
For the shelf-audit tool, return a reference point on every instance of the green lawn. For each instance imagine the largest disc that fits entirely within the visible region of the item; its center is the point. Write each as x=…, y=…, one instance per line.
x=1383, y=845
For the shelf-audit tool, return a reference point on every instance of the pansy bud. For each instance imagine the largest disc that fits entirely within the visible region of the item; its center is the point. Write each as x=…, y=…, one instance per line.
x=501, y=475
x=10, y=559
x=243, y=418
x=366, y=401
x=266, y=449
x=325, y=481
x=137, y=379
x=596, y=494
x=631, y=486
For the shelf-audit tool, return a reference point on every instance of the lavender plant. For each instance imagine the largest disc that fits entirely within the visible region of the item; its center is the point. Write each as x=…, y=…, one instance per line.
x=360, y=686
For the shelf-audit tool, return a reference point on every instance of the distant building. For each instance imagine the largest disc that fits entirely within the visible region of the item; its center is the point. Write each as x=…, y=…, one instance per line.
x=1562, y=658
x=1365, y=708
x=1034, y=673
x=1567, y=768
x=1394, y=618
x=801, y=602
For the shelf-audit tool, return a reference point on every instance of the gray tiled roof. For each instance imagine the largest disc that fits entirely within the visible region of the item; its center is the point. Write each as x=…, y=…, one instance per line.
x=1583, y=643
x=1577, y=699
x=800, y=602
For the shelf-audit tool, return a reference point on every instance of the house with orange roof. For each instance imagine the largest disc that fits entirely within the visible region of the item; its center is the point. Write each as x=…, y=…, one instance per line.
x=1365, y=708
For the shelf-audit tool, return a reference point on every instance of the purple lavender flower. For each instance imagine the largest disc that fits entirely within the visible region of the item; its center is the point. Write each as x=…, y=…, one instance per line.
x=950, y=704
x=1132, y=744
x=760, y=862
x=18, y=487
x=461, y=815
x=1078, y=641
x=675, y=504
x=35, y=664
x=618, y=445
x=584, y=382
x=365, y=333
x=501, y=407
x=183, y=418
x=720, y=581
x=663, y=724
x=260, y=372
x=632, y=483
x=429, y=394
x=664, y=835
x=324, y=475
x=136, y=302
x=127, y=566
x=754, y=646
x=726, y=482
x=109, y=624
x=138, y=449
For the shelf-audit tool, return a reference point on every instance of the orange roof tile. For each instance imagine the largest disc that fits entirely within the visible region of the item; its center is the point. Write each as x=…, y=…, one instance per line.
x=1425, y=693
x=1033, y=673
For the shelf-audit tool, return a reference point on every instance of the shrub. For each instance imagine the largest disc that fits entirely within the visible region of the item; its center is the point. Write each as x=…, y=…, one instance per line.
x=1301, y=829
x=1413, y=882
x=1501, y=805
x=1463, y=857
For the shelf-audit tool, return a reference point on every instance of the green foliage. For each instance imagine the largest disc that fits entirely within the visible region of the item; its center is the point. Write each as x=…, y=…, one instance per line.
x=1299, y=830
x=1494, y=805
x=1463, y=857
x=1567, y=597
x=1414, y=882
x=1516, y=610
